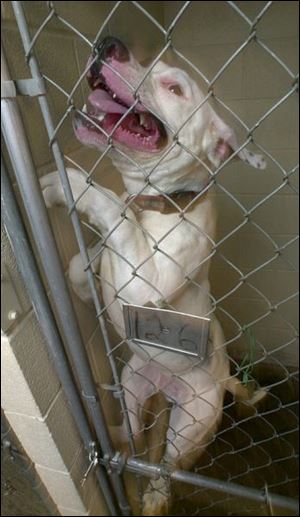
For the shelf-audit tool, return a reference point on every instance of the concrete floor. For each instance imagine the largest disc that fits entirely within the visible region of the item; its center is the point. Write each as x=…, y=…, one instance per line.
x=17, y=495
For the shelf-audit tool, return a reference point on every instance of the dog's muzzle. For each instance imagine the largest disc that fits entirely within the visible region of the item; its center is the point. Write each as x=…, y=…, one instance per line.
x=112, y=110
x=108, y=48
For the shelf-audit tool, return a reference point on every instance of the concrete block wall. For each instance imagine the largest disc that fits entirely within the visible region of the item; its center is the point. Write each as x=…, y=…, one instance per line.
x=21, y=471
x=36, y=408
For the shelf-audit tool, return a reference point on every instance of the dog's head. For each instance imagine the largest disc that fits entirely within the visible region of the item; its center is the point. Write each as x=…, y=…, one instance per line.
x=166, y=105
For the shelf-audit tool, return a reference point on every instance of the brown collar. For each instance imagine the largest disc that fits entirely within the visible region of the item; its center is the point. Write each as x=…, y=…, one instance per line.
x=163, y=203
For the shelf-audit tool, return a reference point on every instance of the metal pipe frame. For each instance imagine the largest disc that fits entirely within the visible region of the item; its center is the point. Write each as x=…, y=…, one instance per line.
x=44, y=106
x=155, y=471
x=18, y=149
x=28, y=267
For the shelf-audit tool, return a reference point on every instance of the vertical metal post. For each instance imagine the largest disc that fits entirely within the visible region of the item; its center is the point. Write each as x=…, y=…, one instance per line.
x=27, y=265
x=18, y=148
x=35, y=71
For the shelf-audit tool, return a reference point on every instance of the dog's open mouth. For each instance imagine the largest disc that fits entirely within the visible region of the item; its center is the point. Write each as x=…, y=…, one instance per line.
x=138, y=130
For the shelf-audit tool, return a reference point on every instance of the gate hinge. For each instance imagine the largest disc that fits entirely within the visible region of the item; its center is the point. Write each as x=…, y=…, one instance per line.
x=115, y=463
x=30, y=87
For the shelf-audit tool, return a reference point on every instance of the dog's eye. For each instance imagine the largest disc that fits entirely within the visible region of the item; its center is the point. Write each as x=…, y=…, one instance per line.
x=175, y=88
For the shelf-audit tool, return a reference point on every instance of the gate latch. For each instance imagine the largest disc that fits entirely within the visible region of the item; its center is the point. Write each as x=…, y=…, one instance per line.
x=93, y=459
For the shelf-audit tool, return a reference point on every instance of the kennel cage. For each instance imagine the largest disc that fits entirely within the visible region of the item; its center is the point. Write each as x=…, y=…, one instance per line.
x=250, y=466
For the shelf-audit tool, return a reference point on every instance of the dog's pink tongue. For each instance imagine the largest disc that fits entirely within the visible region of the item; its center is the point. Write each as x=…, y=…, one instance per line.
x=101, y=100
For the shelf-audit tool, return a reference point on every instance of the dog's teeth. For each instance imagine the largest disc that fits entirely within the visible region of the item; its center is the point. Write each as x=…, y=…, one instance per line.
x=143, y=121
x=114, y=96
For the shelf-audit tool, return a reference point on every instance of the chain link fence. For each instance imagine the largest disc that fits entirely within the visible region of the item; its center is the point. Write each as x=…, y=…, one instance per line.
x=254, y=447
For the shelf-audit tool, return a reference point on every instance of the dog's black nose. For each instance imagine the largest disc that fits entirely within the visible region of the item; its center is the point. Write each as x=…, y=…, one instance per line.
x=111, y=47
x=105, y=50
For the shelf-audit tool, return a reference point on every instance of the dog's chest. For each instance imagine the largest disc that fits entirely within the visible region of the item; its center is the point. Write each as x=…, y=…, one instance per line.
x=186, y=239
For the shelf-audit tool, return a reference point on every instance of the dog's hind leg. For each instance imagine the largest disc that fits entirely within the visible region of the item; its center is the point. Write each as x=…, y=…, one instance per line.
x=193, y=421
x=137, y=389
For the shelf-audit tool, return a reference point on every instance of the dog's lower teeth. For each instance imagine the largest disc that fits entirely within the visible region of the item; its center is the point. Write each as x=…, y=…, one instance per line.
x=114, y=96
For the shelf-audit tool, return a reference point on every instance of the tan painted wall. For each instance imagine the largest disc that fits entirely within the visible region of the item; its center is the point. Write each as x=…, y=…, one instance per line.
x=208, y=34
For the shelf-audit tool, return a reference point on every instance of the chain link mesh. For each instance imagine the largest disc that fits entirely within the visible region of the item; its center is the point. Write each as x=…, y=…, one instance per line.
x=257, y=449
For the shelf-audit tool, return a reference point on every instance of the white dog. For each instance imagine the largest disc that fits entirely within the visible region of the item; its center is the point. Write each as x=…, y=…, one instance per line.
x=151, y=257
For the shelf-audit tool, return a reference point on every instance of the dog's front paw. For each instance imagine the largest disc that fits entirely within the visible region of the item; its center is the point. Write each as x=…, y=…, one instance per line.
x=156, y=498
x=52, y=189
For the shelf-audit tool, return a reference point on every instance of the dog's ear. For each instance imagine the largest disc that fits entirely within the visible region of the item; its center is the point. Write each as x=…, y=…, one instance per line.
x=220, y=142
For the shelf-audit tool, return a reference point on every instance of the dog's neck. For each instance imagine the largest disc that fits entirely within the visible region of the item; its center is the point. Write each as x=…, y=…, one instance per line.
x=194, y=179
x=185, y=185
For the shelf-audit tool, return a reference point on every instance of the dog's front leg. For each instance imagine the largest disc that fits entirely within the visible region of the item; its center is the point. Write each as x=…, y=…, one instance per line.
x=132, y=268
x=102, y=206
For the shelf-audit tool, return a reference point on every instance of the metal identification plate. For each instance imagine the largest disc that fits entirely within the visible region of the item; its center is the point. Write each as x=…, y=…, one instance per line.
x=169, y=330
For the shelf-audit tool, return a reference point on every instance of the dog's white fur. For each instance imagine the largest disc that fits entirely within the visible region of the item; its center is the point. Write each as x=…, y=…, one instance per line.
x=132, y=267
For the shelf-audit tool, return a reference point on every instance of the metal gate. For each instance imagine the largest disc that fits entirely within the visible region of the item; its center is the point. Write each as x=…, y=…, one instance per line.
x=250, y=464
